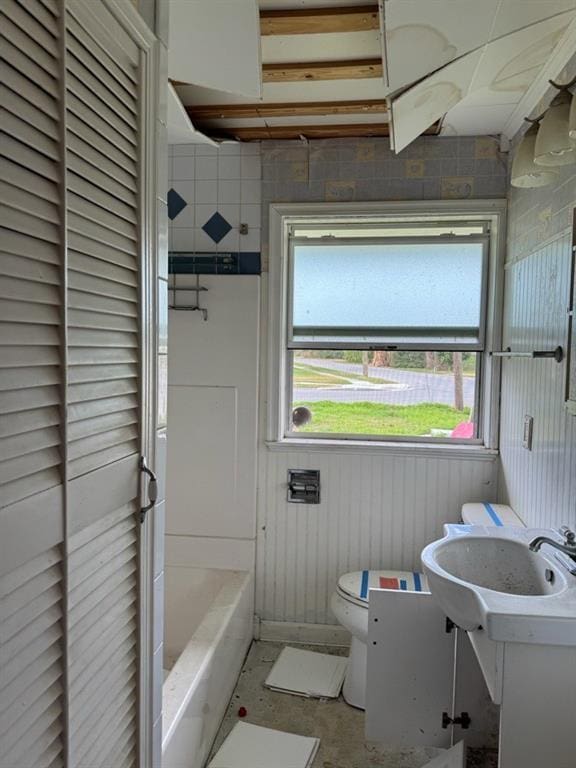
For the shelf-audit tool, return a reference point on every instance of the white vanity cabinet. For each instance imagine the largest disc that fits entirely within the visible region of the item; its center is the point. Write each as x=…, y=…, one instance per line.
x=424, y=684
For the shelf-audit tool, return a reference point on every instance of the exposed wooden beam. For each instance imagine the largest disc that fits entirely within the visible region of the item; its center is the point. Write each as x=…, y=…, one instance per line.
x=309, y=21
x=298, y=109
x=321, y=70
x=308, y=131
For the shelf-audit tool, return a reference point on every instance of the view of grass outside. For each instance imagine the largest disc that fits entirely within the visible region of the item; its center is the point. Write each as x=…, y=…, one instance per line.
x=410, y=394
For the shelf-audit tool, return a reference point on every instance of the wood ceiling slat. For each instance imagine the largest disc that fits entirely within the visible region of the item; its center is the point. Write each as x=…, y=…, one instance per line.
x=309, y=131
x=294, y=109
x=309, y=21
x=296, y=72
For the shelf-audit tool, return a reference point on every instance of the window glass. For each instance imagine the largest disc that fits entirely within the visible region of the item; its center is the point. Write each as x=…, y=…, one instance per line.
x=416, y=293
x=407, y=394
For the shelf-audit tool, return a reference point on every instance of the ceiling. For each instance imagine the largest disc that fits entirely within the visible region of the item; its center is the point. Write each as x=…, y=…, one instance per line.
x=327, y=69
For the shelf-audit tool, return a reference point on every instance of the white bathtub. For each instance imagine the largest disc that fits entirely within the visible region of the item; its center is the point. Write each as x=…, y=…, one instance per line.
x=208, y=629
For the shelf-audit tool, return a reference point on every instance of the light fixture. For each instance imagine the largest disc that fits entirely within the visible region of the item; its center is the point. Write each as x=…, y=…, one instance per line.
x=525, y=174
x=553, y=144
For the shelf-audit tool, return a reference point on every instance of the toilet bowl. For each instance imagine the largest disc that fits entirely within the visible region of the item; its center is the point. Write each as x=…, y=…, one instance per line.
x=349, y=602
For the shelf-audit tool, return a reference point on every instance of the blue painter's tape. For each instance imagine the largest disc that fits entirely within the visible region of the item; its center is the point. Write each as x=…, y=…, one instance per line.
x=417, y=582
x=403, y=585
x=492, y=512
x=364, y=585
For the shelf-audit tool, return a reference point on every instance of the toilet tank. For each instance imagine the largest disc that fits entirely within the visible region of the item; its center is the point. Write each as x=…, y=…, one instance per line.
x=487, y=513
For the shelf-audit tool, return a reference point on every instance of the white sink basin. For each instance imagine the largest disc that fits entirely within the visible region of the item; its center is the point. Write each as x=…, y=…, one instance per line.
x=489, y=578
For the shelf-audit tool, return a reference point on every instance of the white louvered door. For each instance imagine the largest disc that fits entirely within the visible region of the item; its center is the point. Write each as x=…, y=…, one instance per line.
x=75, y=382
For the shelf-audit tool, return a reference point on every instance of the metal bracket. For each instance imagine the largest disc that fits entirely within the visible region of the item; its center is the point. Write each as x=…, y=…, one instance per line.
x=152, y=488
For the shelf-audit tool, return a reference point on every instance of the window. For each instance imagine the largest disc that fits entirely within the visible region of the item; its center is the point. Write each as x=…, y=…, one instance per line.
x=385, y=328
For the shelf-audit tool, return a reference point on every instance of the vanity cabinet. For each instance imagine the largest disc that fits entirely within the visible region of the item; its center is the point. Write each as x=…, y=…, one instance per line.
x=424, y=684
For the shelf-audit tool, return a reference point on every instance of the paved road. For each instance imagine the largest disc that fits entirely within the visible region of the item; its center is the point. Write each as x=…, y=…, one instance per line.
x=409, y=387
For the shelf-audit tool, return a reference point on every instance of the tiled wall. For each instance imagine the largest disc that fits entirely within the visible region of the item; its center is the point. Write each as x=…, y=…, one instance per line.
x=332, y=170
x=377, y=510
x=213, y=369
x=540, y=484
x=212, y=192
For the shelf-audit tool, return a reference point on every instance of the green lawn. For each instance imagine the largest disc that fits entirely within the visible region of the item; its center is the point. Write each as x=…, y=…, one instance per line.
x=381, y=419
x=316, y=377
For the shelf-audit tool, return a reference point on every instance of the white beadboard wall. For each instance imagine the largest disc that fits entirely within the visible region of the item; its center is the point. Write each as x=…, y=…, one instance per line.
x=376, y=511
x=539, y=484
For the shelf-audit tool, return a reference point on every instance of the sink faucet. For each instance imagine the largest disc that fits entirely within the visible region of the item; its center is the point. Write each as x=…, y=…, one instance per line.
x=568, y=547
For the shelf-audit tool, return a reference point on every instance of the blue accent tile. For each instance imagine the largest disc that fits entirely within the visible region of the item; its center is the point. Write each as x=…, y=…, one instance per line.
x=176, y=204
x=217, y=227
x=185, y=263
x=250, y=263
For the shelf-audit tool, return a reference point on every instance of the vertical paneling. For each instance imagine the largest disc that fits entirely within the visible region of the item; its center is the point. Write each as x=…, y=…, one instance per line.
x=539, y=484
x=376, y=511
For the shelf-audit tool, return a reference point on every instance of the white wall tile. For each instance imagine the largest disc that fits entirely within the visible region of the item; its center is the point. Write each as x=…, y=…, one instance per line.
x=206, y=192
x=203, y=243
x=251, y=167
x=250, y=191
x=183, y=150
x=181, y=239
x=206, y=150
x=231, y=212
x=229, y=190
x=228, y=148
x=229, y=167
x=251, y=215
x=250, y=241
x=231, y=242
x=207, y=168
x=250, y=148
x=183, y=167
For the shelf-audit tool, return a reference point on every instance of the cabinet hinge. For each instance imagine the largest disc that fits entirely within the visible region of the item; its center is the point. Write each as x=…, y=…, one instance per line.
x=463, y=720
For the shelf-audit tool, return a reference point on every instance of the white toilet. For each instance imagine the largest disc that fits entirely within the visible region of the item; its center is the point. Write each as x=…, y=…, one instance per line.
x=349, y=602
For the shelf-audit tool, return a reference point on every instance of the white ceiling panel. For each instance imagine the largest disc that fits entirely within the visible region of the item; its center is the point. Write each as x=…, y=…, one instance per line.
x=416, y=109
x=180, y=128
x=444, y=30
x=333, y=47
x=476, y=121
x=274, y=93
x=216, y=44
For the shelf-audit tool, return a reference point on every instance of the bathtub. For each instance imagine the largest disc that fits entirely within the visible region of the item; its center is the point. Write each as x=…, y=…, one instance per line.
x=208, y=629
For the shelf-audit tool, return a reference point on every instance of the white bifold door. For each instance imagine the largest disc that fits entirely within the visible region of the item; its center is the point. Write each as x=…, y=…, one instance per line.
x=75, y=381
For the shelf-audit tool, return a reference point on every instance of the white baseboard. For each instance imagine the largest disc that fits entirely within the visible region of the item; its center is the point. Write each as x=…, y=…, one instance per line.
x=305, y=634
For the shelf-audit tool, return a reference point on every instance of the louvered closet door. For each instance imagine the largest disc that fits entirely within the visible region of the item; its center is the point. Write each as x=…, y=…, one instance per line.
x=32, y=655
x=103, y=389
x=71, y=384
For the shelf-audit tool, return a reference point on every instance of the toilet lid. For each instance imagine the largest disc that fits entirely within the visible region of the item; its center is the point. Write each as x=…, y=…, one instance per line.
x=356, y=585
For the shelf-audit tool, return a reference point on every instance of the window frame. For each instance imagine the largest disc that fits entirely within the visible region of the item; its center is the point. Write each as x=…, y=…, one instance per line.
x=282, y=217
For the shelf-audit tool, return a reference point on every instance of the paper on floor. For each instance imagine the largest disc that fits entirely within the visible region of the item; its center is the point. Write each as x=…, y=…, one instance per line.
x=306, y=673
x=251, y=746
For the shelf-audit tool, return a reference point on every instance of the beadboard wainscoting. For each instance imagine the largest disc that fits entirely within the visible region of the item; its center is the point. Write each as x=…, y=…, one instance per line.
x=376, y=511
x=540, y=484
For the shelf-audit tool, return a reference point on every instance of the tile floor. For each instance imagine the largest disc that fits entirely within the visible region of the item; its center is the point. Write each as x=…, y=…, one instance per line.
x=339, y=727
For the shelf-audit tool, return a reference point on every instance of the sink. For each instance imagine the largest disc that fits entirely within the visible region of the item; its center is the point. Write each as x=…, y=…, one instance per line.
x=488, y=578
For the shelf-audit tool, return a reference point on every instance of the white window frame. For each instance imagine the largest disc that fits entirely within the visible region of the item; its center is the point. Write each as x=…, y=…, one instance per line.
x=282, y=217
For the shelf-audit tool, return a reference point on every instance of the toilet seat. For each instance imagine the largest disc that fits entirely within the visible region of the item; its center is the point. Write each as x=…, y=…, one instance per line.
x=354, y=587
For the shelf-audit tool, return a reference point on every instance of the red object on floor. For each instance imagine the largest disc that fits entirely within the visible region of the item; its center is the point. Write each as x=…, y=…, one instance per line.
x=464, y=430
x=242, y=712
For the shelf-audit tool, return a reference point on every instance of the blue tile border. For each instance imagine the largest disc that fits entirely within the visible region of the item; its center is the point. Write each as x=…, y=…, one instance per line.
x=233, y=263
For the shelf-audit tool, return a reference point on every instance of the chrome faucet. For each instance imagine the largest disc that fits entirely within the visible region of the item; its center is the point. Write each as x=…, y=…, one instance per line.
x=568, y=546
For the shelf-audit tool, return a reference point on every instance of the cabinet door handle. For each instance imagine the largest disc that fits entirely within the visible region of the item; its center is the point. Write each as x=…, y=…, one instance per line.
x=152, y=488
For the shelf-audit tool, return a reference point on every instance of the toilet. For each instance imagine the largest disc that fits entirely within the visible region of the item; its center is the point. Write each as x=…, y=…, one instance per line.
x=349, y=602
